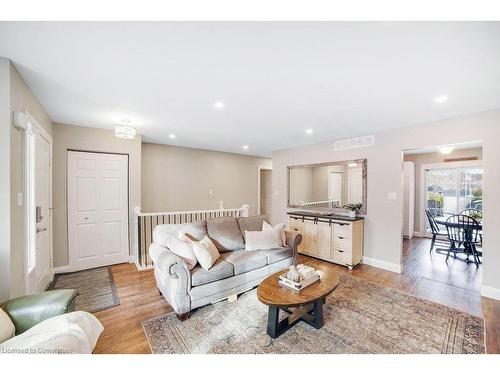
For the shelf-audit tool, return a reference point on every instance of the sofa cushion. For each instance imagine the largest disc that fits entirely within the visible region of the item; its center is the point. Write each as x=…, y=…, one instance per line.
x=251, y=223
x=245, y=261
x=276, y=255
x=220, y=270
x=196, y=230
x=225, y=233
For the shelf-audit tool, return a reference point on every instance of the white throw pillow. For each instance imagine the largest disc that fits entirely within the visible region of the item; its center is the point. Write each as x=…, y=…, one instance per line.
x=263, y=240
x=267, y=226
x=206, y=252
x=183, y=247
x=166, y=235
x=163, y=233
x=7, y=328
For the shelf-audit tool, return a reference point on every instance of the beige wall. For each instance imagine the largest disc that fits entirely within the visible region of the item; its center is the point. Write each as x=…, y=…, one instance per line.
x=5, y=226
x=383, y=225
x=179, y=178
x=21, y=99
x=89, y=139
x=434, y=157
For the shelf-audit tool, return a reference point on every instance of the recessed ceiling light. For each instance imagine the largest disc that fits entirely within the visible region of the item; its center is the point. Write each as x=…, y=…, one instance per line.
x=309, y=131
x=352, y=165
x=124, y=131
x=446, y=149
x=245, y=147
x=441, y=99
x=171, y=136
x=219, y=105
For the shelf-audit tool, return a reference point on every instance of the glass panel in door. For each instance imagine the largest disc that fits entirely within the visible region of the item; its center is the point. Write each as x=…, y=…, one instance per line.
x=441, y=192
x=471, y=189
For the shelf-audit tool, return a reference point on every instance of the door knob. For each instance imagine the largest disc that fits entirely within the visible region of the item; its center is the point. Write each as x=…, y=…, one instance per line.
x=41, y=230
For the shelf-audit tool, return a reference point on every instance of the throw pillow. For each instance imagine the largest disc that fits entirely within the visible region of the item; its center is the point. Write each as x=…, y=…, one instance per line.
x=183, y=248
x=206, y=252
x=263, y=240
x=163, y=233
x=267, y=226
x=7, y=329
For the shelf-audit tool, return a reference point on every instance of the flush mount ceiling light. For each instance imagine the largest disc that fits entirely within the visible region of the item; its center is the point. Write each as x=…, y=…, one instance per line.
x=125, y=131
x=441, y=99
x=446, y=149
x=245, y=147
x=171, y=136
x=126, y=121
x=309, y=131
x=219, y=105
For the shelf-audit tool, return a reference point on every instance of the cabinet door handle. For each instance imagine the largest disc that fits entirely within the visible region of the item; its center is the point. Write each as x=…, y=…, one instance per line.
x=341, y=238
x=341, y=251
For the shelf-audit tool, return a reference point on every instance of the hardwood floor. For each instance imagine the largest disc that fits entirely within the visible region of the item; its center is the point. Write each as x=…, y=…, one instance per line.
x=424, y=275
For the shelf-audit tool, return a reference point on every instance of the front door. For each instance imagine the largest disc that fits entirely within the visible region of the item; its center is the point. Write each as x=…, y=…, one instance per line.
x=40, y=255
x=97, y=209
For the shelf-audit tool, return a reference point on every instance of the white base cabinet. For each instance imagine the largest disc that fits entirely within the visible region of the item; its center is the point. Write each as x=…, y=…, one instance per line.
x=334, y=239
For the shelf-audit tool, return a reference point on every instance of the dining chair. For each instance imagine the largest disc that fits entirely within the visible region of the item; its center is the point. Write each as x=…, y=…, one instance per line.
x=463, y=230
x=472, y=212
x=434, y=229
x=477, y=215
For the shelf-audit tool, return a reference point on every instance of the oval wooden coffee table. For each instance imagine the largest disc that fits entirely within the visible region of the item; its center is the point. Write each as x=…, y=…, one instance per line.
x=305, y=305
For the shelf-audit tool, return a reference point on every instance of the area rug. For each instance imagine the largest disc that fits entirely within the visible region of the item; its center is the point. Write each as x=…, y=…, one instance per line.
x=360, y=317
x=96, y=288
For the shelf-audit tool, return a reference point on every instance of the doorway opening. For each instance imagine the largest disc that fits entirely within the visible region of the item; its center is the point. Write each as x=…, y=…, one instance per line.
x=265, y=187
x=442, y=222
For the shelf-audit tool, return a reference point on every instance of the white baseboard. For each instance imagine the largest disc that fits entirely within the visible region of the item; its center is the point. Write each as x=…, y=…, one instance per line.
x=389, y=266
x=419, y=234
x=62, y=269
x=490, y=292
x=142, y=268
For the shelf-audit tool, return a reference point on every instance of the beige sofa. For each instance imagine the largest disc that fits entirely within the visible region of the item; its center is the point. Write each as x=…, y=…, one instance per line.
x=236, y=271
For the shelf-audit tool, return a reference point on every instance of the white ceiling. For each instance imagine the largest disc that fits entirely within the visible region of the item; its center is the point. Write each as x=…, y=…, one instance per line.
x=276, y=79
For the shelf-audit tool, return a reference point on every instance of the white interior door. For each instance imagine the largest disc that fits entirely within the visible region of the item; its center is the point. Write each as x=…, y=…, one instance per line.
x=40, y=255
x=97, y=209
x=335, y=182
x=265, y=192
x=355, y=191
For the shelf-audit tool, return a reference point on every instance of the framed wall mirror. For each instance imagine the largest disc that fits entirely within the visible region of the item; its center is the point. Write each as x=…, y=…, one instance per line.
x=328, y=187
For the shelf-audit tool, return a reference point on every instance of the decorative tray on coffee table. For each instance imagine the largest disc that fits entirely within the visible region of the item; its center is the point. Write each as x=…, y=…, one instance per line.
x=300, y=277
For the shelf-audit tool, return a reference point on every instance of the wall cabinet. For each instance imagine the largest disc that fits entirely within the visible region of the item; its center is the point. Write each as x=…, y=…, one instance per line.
x=331, y=238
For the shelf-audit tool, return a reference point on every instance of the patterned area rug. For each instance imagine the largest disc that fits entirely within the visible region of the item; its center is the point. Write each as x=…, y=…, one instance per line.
x=96, y=288
x=360, y=317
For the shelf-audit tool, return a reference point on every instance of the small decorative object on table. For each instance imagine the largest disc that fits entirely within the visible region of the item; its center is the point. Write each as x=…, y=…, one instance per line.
x=299, y=277
x=353, y=208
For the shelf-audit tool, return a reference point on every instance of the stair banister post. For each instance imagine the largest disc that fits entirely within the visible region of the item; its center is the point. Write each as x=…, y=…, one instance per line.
x=245, y=210
x=138, y=255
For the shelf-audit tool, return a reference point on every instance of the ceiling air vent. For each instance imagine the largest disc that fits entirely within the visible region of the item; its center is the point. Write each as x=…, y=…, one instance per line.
x=347, y=144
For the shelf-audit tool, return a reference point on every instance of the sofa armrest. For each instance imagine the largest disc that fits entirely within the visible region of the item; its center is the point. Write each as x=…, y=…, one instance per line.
x=175, y=267
x=293, y=239
x=26, y=312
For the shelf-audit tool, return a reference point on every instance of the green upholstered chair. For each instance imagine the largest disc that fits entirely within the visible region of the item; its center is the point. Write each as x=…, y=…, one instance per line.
x=26, y=312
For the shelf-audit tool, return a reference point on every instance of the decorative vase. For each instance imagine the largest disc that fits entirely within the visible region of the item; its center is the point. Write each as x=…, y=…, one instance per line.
x=352, y=213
